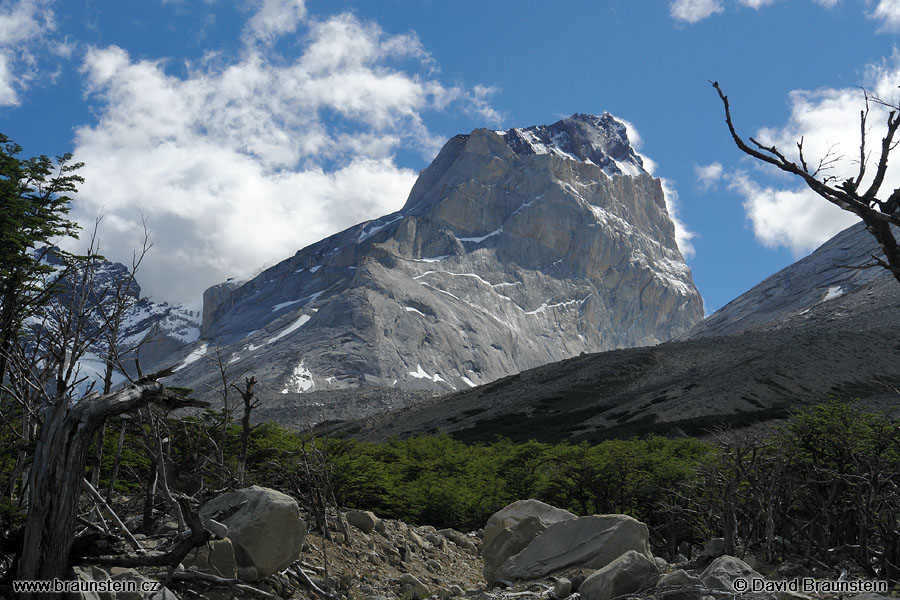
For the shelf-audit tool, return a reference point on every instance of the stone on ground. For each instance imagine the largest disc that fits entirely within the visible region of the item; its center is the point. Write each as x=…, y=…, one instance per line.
x=593, y=542
x=264, y=527
x=629, y=573
x=513, y=527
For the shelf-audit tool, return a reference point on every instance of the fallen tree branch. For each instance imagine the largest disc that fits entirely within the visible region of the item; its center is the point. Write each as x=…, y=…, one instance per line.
x=196, y=576
x=112, y=514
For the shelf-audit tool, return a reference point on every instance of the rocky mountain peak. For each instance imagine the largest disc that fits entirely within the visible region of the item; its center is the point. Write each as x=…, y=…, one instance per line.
x=601, y=141
x=514, y=249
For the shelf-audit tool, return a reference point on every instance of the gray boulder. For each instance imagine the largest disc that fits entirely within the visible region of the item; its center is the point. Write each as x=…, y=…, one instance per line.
x=631, y=572
x=722, y=572
x=680, y=585
x=89, y=573
x=512, y=528
x=264, y=527
x=364, y=520
x=593, y=542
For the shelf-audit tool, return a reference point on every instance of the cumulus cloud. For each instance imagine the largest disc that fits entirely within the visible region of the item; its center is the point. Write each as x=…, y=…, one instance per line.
x=24, y=26
x=274, y=18
x=785, y=212
x=796, y=218
x=239, y=163
x=693, y=11
x=888, y=12
x=709, y=175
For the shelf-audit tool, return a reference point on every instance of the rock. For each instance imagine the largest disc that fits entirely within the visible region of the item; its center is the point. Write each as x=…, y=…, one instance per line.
x=457, y=591
x=629, y=573
x=460, y=539
x=660, y=562
x=690, y=586
x=412, y=584
x=571, y=217
x=264, y=527
x=363, y=520
x=248, y=573
x=220, y=530
x=216, y=558
x=89, y=574
x=715, y=547
x=512, y=528
x=592, y=541
x=684, y=548
x=562, y=588
x=139, y=582
x=722, y=572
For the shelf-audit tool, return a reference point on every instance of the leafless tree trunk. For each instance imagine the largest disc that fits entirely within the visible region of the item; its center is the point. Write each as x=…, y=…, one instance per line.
x=249, y=405
x=56, y=475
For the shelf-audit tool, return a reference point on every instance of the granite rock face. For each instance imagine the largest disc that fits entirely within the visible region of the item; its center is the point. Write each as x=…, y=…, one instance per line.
x=513, y=250
x=826, y=274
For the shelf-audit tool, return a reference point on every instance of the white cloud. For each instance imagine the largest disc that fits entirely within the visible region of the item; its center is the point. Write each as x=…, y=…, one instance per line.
x=683, y=235
x=888, y=12
x=241, y=163
x=274, y=18
x=709, y=175
x=785, y=212
x=24, y=26
x=756, y=4
x=693, y=11
x=797, y=219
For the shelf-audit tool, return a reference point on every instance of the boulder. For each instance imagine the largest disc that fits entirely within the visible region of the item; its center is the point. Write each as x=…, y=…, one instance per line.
x=722, y=572
x=140, y=583
x=89, y=573
x=216, y=558
x=562, y=588
x=629, y=573
x=592, y=542
x=364, y=520
x=264, y=527
x=460, y=539
x=411, y=584
x=513, y=527
x=680, y=585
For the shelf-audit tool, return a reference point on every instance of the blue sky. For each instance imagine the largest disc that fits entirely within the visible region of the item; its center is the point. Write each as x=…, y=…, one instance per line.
x=244, y=130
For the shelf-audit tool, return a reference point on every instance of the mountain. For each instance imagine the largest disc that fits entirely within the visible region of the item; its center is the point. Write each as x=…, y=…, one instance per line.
x=829, y=272
x=514, y=248
x=815, y=330
x=159, y=329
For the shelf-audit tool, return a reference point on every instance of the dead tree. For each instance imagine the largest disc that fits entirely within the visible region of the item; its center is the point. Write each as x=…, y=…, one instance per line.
x=876, y=213
x=57, y=473
x=249, y=404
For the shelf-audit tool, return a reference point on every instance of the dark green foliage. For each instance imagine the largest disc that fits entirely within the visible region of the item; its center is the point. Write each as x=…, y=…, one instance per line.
x=34, y=202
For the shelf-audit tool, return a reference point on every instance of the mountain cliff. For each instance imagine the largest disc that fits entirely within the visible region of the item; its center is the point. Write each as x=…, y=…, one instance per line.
x=820, y=328
x=514, y=249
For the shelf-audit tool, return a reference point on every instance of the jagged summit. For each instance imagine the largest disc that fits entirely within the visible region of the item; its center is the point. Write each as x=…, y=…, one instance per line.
x=601, y=141
x=514, y=249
